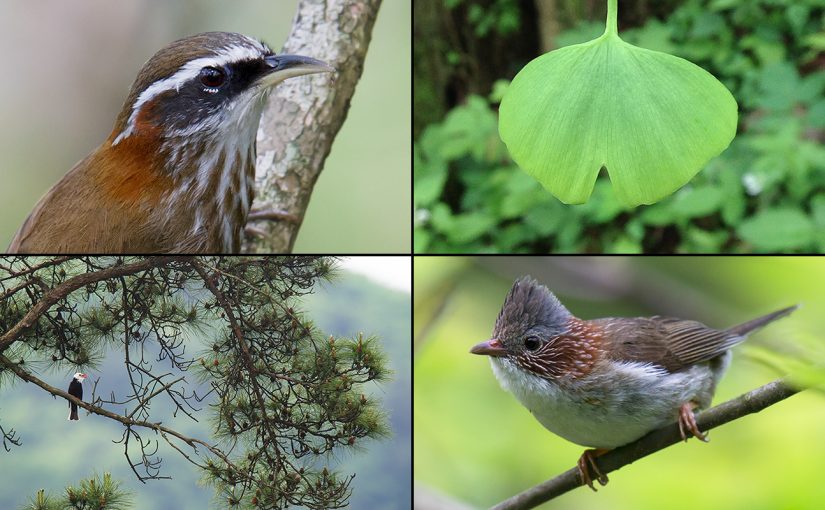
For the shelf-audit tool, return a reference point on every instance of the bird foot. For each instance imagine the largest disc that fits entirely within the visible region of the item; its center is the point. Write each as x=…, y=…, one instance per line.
x=687, y=422
x=254, y=232
x=587, y=462
x=267, y=215
x=272, y=215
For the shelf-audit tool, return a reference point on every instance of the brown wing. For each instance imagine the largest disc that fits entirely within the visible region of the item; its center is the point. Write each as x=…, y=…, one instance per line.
x=671, y=343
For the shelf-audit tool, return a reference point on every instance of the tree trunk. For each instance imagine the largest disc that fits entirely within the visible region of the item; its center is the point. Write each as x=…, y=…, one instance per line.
x=303, y=117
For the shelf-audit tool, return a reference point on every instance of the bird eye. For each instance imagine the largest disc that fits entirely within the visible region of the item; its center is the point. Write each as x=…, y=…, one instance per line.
x=531, y=343
x=212, y=77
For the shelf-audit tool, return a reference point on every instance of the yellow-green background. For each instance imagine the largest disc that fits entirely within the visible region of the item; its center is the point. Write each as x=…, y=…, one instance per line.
x=68, y=67
x=477, y=444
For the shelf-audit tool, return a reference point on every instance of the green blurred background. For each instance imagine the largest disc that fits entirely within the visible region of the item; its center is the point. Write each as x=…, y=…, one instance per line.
x=765, y=193
x=474, y=443
x=69, y=66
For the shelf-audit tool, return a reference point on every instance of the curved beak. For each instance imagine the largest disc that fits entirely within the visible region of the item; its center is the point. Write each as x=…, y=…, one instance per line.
x=282, y=67
x=490, y=347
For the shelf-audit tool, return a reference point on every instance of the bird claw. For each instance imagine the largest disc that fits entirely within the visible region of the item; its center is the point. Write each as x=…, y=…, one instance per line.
x=254, y=232
x=586, y=462
x=687, y=422
x=273, y=215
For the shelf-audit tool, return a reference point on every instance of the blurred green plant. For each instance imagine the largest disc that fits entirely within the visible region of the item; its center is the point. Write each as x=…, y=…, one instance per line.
x=502, y=17
x=765, y=193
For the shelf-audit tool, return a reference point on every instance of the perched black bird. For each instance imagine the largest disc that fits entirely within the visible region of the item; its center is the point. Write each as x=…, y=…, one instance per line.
x=75, y=390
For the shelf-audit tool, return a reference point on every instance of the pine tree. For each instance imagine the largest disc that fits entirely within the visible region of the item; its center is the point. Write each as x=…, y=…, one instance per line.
x=227, y=331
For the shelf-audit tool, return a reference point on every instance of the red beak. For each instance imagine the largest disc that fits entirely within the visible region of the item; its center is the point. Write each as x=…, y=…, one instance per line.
x=491, y=347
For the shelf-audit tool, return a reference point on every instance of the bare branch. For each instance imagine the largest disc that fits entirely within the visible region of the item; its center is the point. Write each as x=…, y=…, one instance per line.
x=751, y=402
x=9, y=438
x=129, y=422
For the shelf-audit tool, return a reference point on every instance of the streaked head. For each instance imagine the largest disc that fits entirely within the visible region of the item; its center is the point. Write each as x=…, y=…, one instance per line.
x=532, y=330
x=200, y=83
x=194, y=110
x=176, y=174
x=530, y=312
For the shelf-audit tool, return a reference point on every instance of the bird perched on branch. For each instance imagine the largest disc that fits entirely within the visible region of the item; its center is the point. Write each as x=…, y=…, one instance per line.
x=177, y=171
x=607, y=382
x=75, y=390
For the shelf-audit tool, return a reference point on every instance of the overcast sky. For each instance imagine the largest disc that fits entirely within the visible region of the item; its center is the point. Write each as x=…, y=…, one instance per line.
x=394, y=272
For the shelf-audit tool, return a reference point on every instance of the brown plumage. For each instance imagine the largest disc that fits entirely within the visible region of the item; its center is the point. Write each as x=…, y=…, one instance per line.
x=177, y=172
x=671, y=343
x=607, y=382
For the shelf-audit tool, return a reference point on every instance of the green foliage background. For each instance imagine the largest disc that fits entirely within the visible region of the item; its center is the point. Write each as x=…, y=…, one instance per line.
x=765, y=193
x=475, y=443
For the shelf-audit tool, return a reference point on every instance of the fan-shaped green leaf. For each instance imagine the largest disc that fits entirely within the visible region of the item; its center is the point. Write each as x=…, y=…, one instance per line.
x=651, y=119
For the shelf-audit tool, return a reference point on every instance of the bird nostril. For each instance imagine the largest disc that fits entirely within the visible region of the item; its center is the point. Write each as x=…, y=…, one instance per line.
x=212, y=77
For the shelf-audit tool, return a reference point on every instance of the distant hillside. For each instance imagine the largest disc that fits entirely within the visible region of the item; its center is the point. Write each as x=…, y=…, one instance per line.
x=56, y=452
x=351, y=304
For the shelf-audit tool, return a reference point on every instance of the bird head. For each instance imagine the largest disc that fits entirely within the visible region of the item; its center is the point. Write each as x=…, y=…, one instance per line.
x=533, y=333
x=79, y=376
x=186, y=133
x=530, y=314
x=205, y=88
x=177, y=172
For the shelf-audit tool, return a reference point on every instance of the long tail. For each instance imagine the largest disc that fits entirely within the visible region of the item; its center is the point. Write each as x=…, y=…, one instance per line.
x=744, y=329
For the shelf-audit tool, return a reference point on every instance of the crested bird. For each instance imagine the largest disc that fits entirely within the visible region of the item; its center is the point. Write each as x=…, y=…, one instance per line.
x=176, y=174
x=75, y=390
x=606, y=382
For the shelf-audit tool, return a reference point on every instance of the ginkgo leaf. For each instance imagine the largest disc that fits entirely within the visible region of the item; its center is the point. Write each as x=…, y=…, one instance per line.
x=651, y=119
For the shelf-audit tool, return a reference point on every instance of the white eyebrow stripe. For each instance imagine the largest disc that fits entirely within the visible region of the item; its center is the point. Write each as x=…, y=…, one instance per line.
x=190, y=70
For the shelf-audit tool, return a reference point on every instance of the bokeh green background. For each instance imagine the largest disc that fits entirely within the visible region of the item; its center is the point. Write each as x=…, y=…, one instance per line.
x=475, y=443
x=70, y=64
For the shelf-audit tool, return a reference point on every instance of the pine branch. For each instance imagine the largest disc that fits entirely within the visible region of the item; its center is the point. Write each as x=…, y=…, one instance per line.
x=282, y=394
x=751, y=402
x=67, y=287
